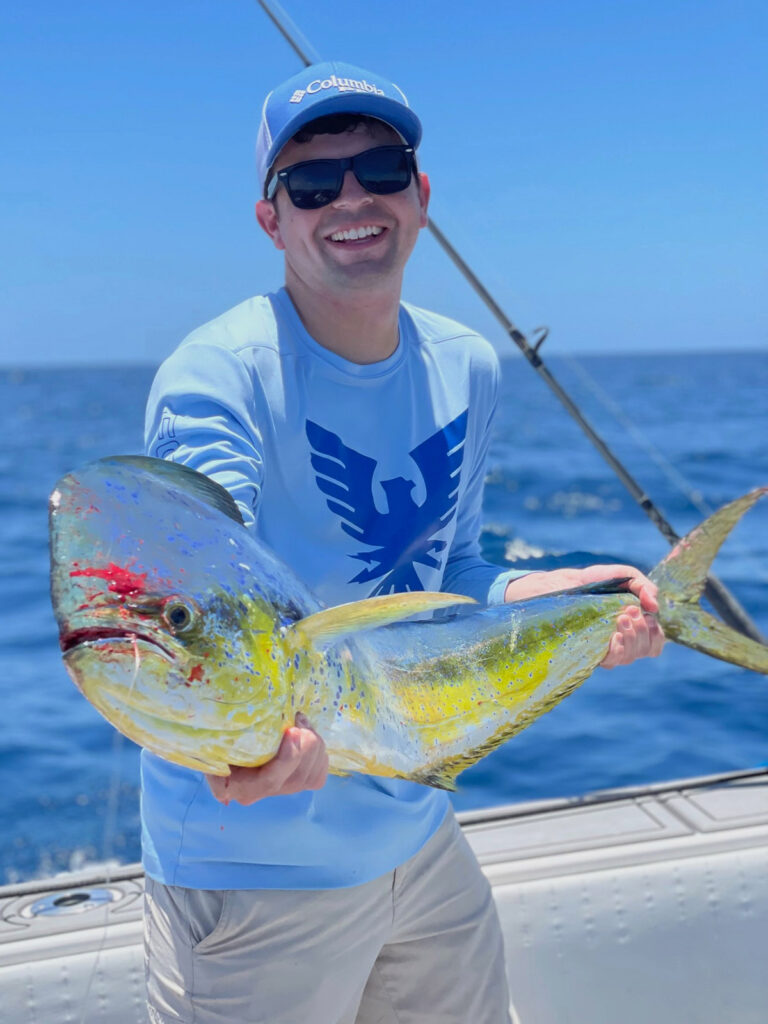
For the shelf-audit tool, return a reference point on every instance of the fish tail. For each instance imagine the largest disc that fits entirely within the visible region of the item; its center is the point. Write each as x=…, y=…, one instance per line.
x=681, y=578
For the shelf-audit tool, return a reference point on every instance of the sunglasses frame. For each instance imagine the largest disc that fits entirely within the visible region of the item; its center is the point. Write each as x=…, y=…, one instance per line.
x=342, y=164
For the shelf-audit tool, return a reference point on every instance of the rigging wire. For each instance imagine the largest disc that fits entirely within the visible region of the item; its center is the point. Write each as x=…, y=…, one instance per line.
x=676, y=479
x=673, y=475
x=718, y=595
x=107, y=860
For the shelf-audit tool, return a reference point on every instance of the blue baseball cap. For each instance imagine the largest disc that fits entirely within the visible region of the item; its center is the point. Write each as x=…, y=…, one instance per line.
x=329, y=88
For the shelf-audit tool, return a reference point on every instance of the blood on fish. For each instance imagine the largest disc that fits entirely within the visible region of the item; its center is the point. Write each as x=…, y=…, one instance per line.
x=196, y=675
x=87, y=511
x=119, y=580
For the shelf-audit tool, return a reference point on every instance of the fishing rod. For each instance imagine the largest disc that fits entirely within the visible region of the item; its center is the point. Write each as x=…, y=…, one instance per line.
x=718, y=595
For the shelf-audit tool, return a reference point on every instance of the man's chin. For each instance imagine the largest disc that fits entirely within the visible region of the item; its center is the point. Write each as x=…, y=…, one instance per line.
x=365, y=272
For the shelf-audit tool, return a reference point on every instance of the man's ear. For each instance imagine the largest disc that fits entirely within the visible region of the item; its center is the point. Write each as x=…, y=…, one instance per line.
x=424, y=193
x=266, y=215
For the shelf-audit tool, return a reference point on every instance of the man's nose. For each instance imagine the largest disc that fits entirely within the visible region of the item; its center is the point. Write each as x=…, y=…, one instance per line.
x=352, y=192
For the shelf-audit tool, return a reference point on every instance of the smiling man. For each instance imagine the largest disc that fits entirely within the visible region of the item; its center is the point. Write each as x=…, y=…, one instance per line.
x=352, y=429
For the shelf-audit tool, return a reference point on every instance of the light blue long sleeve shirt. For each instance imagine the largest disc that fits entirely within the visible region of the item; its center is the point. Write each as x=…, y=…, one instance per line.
x=365, y=479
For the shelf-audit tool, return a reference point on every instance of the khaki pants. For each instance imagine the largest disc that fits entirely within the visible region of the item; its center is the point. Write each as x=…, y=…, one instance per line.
x=420, y=945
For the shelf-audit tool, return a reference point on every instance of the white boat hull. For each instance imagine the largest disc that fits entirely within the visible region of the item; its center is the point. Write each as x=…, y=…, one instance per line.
x=635, y=906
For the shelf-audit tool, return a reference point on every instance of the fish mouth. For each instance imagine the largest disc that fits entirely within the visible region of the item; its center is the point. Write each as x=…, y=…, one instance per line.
x=91, y=635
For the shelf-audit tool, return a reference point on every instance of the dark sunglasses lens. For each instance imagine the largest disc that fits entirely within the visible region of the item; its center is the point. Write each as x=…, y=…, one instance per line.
x=314, y=184
x=384, y=171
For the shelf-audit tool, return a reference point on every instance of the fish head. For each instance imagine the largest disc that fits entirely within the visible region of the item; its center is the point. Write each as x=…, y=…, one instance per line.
x=168, y=623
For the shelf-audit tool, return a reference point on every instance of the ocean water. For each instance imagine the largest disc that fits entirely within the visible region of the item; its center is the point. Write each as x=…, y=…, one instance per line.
x=692, y=429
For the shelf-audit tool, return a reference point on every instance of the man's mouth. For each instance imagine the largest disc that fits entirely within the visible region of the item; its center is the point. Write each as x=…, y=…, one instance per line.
x=356, y=234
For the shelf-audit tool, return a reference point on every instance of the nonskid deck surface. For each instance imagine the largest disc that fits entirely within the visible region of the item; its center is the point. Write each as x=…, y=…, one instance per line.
x=639, y=905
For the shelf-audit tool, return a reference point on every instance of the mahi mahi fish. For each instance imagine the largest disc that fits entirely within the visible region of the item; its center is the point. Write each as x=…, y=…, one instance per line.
x=198, y=643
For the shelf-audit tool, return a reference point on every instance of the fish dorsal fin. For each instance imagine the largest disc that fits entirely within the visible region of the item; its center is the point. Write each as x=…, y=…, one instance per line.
x=333, y=623
x=175, y=474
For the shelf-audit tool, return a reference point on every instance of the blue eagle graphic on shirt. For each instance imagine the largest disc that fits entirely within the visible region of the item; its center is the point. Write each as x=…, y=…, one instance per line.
x=403, y=536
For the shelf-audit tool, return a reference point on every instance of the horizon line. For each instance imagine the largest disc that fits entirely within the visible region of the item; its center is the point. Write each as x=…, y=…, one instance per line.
x=507, y=353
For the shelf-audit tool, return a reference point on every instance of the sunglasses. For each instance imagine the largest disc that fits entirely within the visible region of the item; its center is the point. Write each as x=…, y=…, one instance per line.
x=315, y=183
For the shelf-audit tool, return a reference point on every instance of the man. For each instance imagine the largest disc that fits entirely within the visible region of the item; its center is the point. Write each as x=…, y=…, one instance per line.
x=352, y=431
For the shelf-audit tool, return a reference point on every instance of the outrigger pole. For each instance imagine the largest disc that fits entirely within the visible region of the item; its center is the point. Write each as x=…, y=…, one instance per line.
x=721, y=599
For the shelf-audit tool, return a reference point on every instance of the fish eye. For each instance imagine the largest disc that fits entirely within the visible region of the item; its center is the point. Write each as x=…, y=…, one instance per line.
x=178, y=615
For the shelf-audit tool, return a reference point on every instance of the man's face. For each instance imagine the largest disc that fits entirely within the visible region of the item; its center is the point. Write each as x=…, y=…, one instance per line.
x=316, y=250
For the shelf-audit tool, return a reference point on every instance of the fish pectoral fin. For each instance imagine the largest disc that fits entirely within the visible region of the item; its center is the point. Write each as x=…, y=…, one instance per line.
x=210, y=767
x=333, y=623
x=186, y=760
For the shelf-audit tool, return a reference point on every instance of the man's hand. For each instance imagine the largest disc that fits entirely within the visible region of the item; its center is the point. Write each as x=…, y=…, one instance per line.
x=300, y=763
x=638, y=635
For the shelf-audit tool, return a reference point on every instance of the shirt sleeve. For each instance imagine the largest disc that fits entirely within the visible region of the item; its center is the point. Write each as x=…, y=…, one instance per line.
x=200, y=413
x=466, y=572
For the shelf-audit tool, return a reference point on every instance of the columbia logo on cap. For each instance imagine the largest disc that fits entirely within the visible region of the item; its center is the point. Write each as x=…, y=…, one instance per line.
x=342, y=84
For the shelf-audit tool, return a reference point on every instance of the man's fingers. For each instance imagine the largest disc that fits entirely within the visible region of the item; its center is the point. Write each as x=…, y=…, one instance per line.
x=311, y=772
x=615, y=653
x=301, y=762
x=247, y=785
x=657, y=638
x=637, y=636
x=312, y=767
x=646, y=591
x=646, y=637
x=638, y=583
x=284, y=773
x=308, y=760
x=219, y=786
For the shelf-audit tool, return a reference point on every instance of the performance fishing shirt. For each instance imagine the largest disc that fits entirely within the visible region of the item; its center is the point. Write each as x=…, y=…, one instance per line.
x=365, y=479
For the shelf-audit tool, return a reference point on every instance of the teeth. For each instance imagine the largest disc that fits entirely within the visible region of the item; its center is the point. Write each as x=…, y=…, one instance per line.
x=353, y=233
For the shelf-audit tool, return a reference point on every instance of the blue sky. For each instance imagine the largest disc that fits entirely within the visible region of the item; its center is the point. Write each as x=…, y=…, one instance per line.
x=601, y=164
